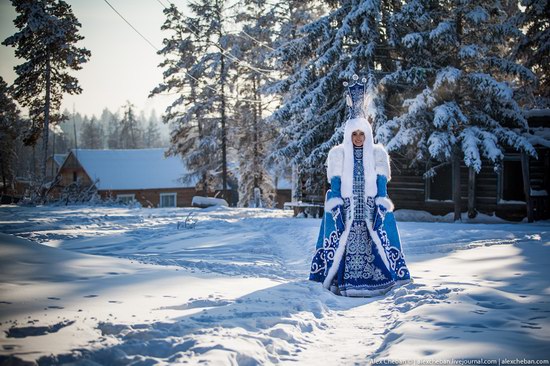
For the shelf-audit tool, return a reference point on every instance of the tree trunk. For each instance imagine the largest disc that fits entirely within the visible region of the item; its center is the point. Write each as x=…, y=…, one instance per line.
x=456, y=184
x=456, y=149
x=33, y=167
x=255, y=134
x=74, y=129
x=224, y=133
x=4, y=191
x=205, y=184
x=133, y=136
x=53, y=155
x=527, y=186
x=471, y=193
x=46, y=119
x=223, y=122
x=294, y=189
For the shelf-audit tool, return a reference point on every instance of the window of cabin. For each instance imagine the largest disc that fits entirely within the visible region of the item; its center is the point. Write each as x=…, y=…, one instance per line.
x=511, y=180
x=125, y=198
x=440, y=187
x=75, y=176
x=168, y=200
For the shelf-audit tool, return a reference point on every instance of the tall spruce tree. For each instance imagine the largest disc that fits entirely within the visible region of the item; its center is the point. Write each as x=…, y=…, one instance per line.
x=9, y=136
x=72, y=127
x=351, y=38
x=46, y=38
x=252, y=131
x=91, y=135
x=113, y=132
x=457, y=85
x=105, y=120
x=197, y=67
x=533, y=49
x=152, y=135
x=130, y=133
x=289, y=16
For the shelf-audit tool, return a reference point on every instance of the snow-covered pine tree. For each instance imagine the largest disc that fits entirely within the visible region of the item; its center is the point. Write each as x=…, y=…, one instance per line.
x=251, y=131
x=197, y=68
x=457, y=83
x=83, y=133
x=9, y=133
x=105, y=120
x=72, y=127
x=91, y=135
x=533, y=50
x=163, y=129
x=130, y=133
x=288, y=17
x=113, y=132
x=46, y=38
x=152, y=135
x=350, y=38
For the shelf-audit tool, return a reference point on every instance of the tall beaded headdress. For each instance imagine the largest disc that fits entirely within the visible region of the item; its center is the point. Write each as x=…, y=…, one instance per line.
x=356, y=97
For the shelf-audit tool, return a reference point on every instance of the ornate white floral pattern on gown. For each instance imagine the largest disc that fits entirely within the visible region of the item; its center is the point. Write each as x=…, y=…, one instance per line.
x=364, y=271
x=358, y=250
x=359, y=256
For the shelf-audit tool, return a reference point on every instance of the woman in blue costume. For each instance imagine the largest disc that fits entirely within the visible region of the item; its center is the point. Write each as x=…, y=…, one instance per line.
x=358, y=251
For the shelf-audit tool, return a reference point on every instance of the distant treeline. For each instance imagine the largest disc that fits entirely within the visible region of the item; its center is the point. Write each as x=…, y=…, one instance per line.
x=124, y=129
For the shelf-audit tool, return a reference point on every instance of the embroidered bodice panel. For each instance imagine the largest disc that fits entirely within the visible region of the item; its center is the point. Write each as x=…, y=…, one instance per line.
x=358, y=184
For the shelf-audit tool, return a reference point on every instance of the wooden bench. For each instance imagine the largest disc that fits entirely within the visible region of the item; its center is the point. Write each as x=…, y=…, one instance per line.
x=306, y=209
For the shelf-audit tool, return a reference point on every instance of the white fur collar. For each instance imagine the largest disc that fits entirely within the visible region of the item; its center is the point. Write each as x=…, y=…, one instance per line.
x=375, y=159
x=335, y=161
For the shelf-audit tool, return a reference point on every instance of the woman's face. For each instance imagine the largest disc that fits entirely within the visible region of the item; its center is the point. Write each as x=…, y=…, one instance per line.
x=357, y=138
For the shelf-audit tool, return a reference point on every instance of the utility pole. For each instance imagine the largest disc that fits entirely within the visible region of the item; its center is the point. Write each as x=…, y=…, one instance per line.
x=74, y=128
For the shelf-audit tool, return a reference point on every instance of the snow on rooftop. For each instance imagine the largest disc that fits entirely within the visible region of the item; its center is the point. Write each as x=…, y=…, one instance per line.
x=283, y=183
x=59, y=158
x=537, y=113
x=133, y=169
x=539, y=136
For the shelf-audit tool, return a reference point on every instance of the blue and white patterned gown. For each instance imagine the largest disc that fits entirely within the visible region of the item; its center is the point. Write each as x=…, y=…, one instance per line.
x=362, y=271
x=357, y=265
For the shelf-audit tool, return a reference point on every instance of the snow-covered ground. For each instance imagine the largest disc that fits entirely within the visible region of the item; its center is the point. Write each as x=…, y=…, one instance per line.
x=119, y=286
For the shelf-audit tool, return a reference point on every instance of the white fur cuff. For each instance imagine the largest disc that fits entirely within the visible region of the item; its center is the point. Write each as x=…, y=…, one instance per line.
x=384, y=202
x=333, y=202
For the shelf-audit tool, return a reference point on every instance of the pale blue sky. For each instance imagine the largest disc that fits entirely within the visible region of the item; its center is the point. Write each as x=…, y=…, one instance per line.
x=122, y=67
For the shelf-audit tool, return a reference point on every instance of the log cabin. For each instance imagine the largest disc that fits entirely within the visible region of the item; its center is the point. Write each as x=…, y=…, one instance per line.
x=519, y=189
x=144, y=175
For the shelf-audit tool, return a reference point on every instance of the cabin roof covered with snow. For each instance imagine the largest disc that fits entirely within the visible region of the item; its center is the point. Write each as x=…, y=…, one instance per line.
x=539, y=136
x=283, y=183
x=538, y=117
x=537, y=112
x=59, y=158
x=132, y=169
